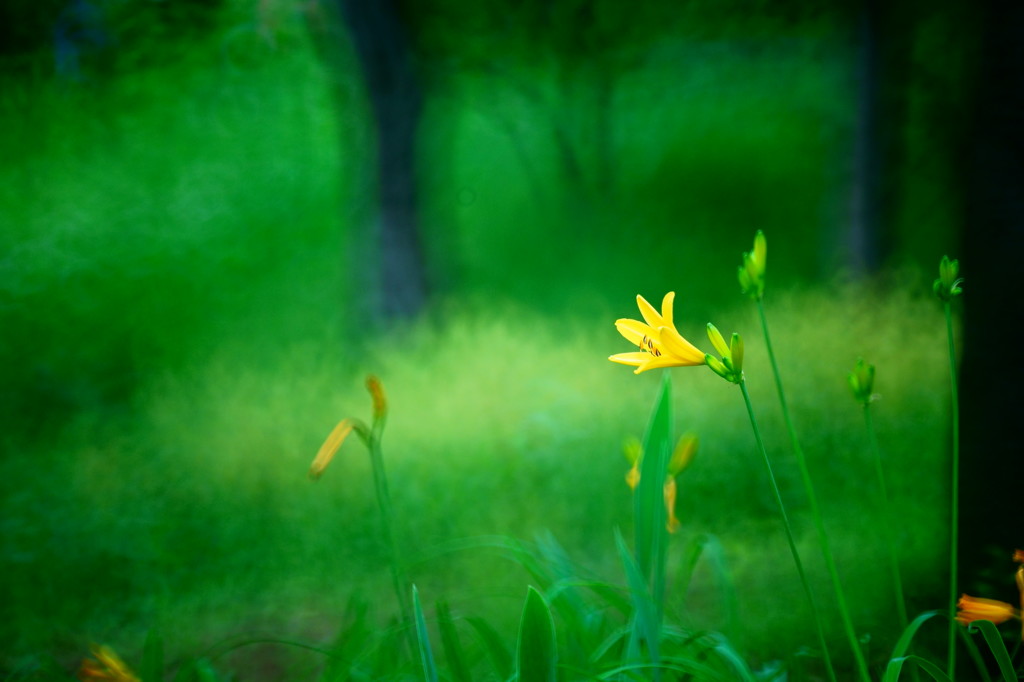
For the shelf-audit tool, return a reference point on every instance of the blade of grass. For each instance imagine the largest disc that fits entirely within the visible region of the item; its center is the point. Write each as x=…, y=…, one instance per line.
x=651, y=535
x=537, y=649
x=501, y=658
x=423, y=639
x=996, y=646
x=453, y=652
x=892, y=671
x=645, y=618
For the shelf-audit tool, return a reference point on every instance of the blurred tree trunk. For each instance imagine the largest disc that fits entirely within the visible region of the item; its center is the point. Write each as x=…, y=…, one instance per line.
x=384, y=52
x=992, y=464
x=884, y=37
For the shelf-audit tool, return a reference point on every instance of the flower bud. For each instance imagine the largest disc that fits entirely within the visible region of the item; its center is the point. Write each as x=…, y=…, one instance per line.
x=947, y=285
x=862, y=381
x=380, y=403
x=751, y=273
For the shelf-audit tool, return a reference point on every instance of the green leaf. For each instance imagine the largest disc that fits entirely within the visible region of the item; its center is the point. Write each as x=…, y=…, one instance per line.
x=651, y=536
x=422, y=639
x=152, y=668
x=537, y=651
x=892, y=671
x=645, y=614
x=453, y=652
x=499, y=654
x=996, y=646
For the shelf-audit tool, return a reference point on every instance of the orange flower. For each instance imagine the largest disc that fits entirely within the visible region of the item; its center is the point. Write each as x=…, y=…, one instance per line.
x=976, y=608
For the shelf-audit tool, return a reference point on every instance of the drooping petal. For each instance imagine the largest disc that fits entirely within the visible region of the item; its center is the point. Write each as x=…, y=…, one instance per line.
x=673, y=343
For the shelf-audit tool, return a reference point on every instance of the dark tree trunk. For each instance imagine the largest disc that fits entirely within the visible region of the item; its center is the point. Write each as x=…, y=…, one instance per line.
x=992, y=460
x=385, y=55
x=884, y=33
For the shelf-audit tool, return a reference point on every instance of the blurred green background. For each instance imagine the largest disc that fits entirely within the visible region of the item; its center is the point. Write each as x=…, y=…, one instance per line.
x=219, y=217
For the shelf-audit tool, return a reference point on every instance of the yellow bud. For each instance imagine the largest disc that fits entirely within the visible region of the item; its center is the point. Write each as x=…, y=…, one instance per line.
x=330, y=447
x=380, y=403
x=686, y=448
x=717, y=341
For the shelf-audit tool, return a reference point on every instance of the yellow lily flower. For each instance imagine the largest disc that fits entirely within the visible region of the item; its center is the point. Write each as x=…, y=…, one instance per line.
x=660, y=343
x=105, y=665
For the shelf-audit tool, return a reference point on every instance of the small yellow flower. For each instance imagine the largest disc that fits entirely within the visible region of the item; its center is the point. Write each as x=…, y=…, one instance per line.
x=660, y=343
x=330, y=447
x=105, y=665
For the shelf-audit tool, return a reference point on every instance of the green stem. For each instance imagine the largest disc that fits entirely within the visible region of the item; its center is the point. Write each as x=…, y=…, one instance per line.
x=398, y=580
x=954, y=495
x=805, y=475
x=886, y=518
x=789, y=534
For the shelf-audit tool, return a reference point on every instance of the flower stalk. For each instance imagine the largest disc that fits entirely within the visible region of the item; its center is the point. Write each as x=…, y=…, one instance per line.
x=812, y=500
x=371, y=436
x=789, y=533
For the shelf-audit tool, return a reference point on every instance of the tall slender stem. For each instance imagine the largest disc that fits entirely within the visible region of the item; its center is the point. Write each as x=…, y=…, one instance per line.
x=789, y=534
x=812, y=499
x=894, y=565
x=954, y=495
x=398, y=581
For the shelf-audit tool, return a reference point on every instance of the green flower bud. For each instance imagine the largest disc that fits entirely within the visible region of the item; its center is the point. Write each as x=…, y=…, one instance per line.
x=736, y=352
x=948, y=284
x=718, y=341
x=862, y=381
x=751, y=273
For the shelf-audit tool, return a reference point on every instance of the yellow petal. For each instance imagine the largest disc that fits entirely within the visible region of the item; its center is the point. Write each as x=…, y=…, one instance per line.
x=636, y=332
x=635, y=358
x=675, y=345
x=666, y=309
x=651, y=316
